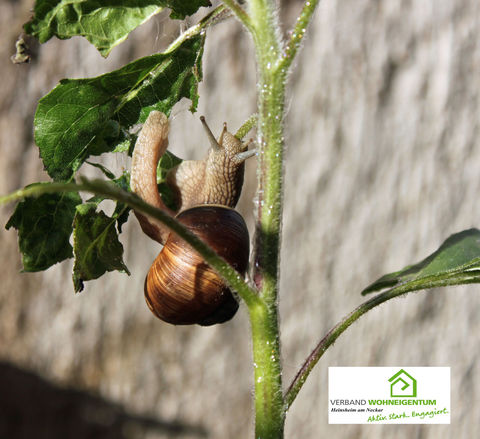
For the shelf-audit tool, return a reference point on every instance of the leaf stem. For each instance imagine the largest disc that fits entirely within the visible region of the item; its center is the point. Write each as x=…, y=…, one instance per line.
x=218, y=14
x=269, y=408
x=298, y=33
x=246, y=127
x=332, y=336
x=108, y=190
x=240, y=13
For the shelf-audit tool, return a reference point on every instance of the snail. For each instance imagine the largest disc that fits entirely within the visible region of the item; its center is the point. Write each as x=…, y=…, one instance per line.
x=180, y=287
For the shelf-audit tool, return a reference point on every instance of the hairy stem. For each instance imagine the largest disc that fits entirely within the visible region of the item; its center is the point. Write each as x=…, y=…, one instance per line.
x=298, y=33
x=246, y=127
x=272, y=65
x=218, y=14
x=108, y=190
x=240, y=13
x=269, y=411
x=332, y=336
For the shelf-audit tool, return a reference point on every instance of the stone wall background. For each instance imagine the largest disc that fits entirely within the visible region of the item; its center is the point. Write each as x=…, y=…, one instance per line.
x=382, y=165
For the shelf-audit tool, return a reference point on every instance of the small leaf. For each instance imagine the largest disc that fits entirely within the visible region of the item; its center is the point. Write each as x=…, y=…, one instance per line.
x=82, y=117
x=456, y=262
x=104, y=24
x=109, y=174
x=166, y=162
x=169, y=196
x=122, y=211
x=123, y=181
x=44, y=227
x=126, y=145
x=95, y=244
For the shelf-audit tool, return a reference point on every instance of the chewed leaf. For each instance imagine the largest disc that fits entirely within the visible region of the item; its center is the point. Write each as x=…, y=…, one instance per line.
x=82, y=117
x=104, y=24
x=44, y=227
x=122, y=211
x=95, y=244
x=456, y=262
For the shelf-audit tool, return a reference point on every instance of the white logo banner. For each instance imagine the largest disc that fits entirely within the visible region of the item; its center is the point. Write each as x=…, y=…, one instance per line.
x=389, y=395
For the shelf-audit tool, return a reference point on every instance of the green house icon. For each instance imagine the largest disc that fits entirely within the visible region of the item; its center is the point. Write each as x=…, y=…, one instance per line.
x=403, y=385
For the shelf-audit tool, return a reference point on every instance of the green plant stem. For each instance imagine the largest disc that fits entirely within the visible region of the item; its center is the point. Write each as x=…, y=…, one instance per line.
x=218, y=14
x=108, y=190
x=298, y=33
x=332, y=336
x=240, y=13
x=246, y=127
x=273, y=64
x=262, y=21
x=269, y=411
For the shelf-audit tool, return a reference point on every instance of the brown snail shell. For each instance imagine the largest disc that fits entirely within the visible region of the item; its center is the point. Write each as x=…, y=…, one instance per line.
x=180, y=287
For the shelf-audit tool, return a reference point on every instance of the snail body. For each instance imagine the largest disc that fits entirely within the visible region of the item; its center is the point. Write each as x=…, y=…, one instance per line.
x=180, y=287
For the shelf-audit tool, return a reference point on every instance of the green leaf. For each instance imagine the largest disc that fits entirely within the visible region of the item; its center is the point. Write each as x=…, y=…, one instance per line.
x=122, y=211
x=44, y=227
x=78, y=117
x=105, y=24
x=126, y=145
x=456, y=262
x=167, y=162
x=109, y=174
x=123, y=181
x=182, y=8
x=95, y=244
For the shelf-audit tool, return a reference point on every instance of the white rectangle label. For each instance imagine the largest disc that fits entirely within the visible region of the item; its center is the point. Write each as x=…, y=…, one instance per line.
x=389, y=395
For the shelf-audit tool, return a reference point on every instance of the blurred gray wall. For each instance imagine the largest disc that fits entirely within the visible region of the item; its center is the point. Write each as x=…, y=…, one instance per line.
x=382, y=165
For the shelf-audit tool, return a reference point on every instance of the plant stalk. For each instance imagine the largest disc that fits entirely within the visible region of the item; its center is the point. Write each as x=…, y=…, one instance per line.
x=240, y=13
x=273, y=64
x=298, y=33
x=269, y=408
